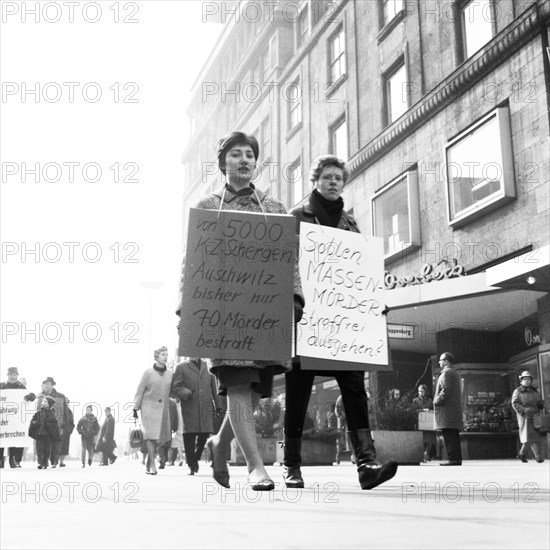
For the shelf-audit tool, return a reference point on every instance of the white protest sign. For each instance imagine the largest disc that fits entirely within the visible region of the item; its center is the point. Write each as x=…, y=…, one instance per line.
x=15, y=417
x=342, y=276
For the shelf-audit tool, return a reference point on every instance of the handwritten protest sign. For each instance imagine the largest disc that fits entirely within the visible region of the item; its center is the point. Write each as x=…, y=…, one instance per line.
x=238, y=286
x=343, y=282
x=15, y=417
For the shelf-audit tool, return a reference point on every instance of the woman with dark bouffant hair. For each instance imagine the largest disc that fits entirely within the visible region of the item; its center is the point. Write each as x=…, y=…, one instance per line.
x=243, y=382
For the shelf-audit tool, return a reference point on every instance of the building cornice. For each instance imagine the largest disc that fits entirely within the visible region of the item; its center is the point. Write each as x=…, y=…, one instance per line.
x=501, y=47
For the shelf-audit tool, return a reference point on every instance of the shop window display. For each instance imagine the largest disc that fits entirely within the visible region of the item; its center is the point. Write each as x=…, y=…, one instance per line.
x=486, y=403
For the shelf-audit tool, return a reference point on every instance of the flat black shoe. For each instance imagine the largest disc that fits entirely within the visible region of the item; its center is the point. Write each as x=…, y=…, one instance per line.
x=539, y=460
x=264, y=485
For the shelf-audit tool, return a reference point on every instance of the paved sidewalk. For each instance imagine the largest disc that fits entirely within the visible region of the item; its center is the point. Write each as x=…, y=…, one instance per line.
x=483, y=504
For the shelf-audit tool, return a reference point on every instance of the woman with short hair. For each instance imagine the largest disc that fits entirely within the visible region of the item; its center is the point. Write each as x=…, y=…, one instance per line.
x=244, y=382
x=152, y=399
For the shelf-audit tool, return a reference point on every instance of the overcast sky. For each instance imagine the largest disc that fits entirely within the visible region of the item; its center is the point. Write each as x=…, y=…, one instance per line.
x=110, y=96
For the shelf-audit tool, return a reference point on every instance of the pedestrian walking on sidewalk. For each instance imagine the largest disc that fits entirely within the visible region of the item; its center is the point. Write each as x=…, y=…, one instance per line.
x=152, y=399
x=196, y=389
x=326, y=207
x=243, y=381
x=88, y=428
x=526, y=402
x=106, y=443
x=45, y=430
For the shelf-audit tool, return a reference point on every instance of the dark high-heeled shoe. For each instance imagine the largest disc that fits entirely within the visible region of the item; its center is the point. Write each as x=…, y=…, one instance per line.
x=522, y=457
x=220, y=476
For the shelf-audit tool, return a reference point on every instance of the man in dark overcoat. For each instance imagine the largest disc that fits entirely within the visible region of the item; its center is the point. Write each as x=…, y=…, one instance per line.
x=196, y=389
x=448, y=409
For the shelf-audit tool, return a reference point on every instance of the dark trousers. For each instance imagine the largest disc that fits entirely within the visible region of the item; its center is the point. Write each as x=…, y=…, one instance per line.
x=54, y=451
x=87, y=445
x=298, y=384
x=452, y=444
x=194, y=443
x=163, y=452
x=44, y=445
x=15, y=455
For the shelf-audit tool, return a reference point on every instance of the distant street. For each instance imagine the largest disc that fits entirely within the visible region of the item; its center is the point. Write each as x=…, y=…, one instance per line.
x=483, y=504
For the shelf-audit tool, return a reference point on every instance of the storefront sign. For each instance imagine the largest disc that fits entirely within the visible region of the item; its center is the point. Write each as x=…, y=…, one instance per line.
x=342, y=280
x=531, y=339
x=15, y=417
x=238, y=288
x=403, y=332
x=429, y=273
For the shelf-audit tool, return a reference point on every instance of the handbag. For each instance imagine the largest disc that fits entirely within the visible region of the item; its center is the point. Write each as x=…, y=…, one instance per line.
x=541, y=422
x=136, y=436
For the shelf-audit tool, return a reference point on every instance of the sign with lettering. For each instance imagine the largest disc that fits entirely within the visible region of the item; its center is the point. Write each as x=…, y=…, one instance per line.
x=342, y=276
x=238, y=287
x=15, y=417
x=403, y=332
x=428, y=273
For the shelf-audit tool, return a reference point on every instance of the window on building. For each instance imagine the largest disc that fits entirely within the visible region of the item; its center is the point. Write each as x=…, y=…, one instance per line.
x=337, y=55
x=390, y=8
x=293, y=97
x=395, y=215
x=479, y=168
x=302, y=26
x=396, y=96
x=477, y=25
x=295, y=181
x=339, y=139
x=265, y=135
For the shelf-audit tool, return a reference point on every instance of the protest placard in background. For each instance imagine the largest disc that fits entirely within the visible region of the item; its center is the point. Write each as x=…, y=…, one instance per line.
x=343, y=326
x=238, y=286
x=15, y=417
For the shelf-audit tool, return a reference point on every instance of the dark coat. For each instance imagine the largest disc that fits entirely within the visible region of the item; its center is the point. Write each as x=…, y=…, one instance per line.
x=195, y=387
x=448, y=401
x=67, y=431
x=107, y=432
x=44, y=424
x=61, y=407
x=526, y=402
x=421, y=404
x=88, y=426
x=12, y=385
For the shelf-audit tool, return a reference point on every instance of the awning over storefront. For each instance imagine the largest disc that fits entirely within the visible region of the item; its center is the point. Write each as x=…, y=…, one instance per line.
x=530, y=271
x=467, y=302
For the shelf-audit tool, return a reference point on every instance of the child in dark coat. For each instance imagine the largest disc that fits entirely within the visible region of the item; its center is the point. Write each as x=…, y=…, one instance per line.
x=44, y=429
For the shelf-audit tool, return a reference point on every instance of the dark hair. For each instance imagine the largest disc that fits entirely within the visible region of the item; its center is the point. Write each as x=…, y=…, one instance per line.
x=449, y=356
x=228, y=142
x=320, y=163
